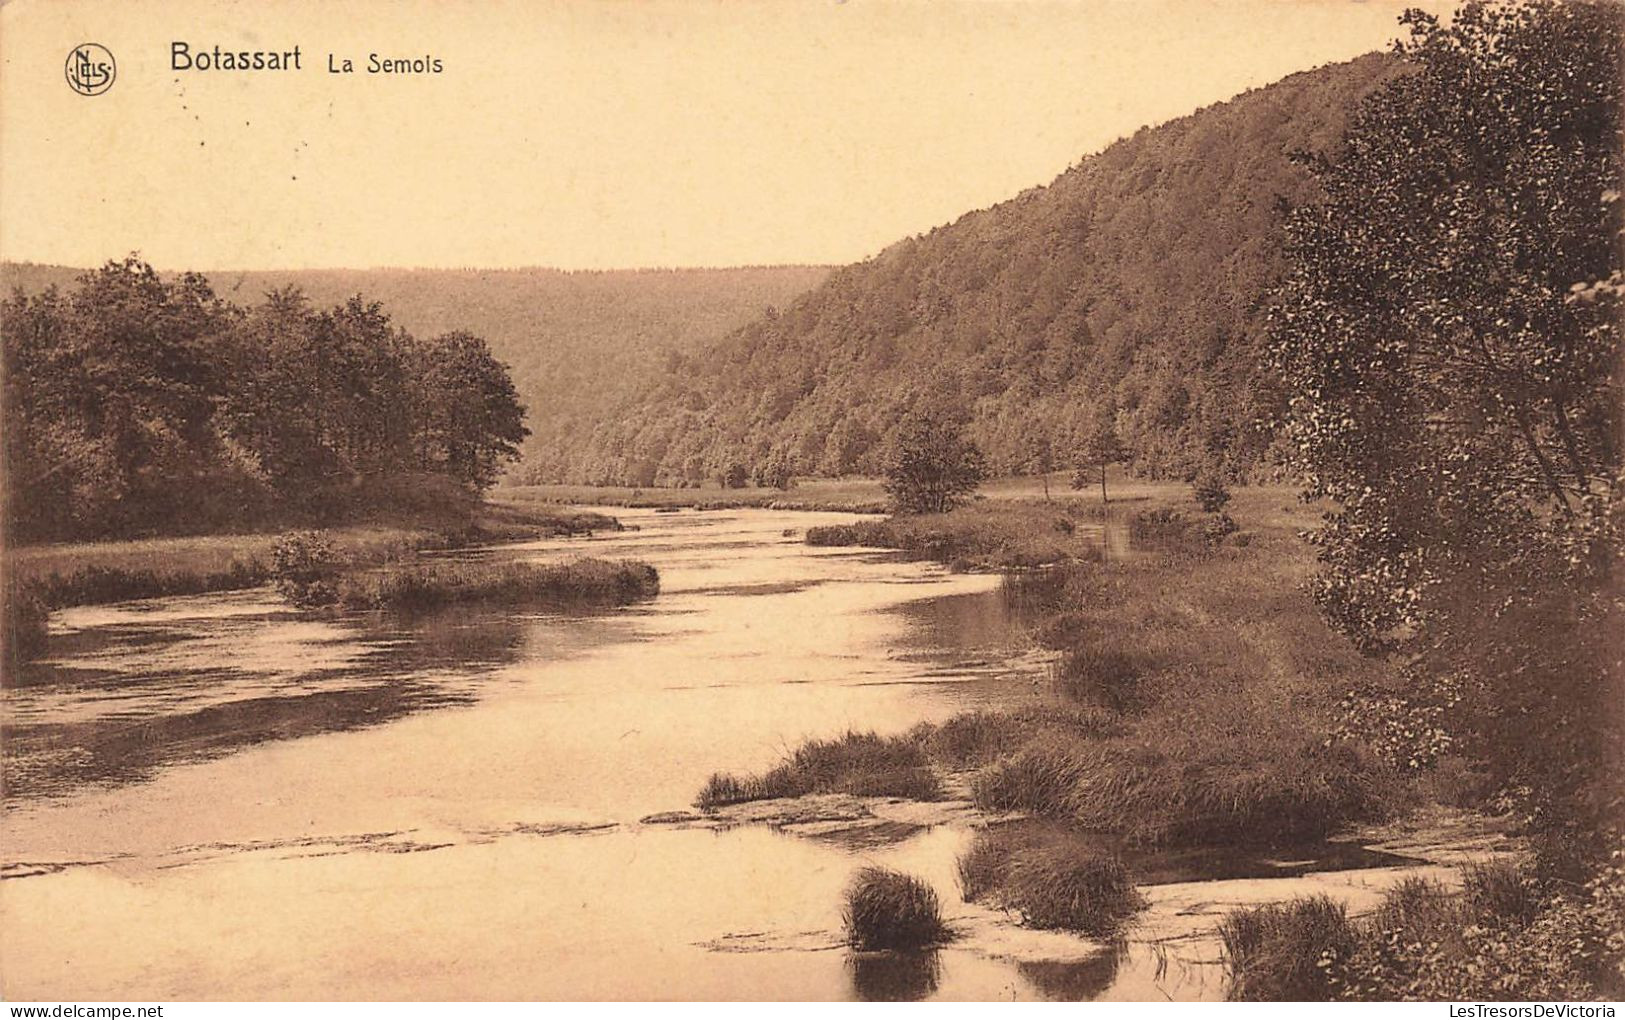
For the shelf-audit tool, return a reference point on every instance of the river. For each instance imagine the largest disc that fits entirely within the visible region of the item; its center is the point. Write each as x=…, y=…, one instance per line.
x=214, y=797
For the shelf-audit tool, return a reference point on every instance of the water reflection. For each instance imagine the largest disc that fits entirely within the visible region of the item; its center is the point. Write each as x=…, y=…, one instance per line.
x=895, y=976
x=1075, y=980
x=71, y=722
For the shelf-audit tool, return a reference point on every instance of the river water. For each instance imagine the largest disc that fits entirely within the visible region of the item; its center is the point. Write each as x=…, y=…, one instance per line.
x=214, y=797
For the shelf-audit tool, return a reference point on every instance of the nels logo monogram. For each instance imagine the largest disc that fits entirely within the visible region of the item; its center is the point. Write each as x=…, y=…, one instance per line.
x=90, y=69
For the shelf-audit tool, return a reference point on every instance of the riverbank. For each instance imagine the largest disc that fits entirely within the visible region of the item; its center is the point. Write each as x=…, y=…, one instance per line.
x=87, y=573
x=40, y=579
x=841, y=495
x=1196, y=704
x=853, y=494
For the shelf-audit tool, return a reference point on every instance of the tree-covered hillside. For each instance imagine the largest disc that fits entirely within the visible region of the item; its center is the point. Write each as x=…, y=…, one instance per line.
x=1132, y=287
x=576, y=344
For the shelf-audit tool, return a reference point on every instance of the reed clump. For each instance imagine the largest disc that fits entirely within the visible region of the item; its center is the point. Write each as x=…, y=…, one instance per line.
x=860, y=764
x=1052, y=877
x=888, y=909
x=431, y=584
x=1286, y=951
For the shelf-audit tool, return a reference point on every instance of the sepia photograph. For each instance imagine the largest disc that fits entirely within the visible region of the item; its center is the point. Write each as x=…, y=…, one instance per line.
x=811, y=501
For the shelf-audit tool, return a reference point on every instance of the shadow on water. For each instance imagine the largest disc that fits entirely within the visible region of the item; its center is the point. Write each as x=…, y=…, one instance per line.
x=894, y=976
x=92, y=725
x=953, y=624
x=1221, y=863
x=1074, y=981
x=54, y=759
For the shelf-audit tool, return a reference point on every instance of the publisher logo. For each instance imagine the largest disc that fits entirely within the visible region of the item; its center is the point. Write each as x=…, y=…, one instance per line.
x=90, y=69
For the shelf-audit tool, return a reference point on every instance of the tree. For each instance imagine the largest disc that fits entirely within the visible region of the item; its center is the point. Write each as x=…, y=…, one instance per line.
x=1098, y=446
x=471, y=421
x=109, y=396
x=1043, y=460
x=137, y=404
x=776, y=470
x=930, y=466
x=1209, y=491
x=1449, y=330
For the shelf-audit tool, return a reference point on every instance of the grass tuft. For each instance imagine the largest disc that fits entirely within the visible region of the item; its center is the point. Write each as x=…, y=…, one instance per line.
x=887, y=909
x=1502, y=890
x=1286, y=951
x=1101, y=674
x=860, y=764
x=1052, y=877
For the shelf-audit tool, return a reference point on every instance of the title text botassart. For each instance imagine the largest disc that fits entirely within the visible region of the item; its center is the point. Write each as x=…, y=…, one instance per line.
x=183, y=56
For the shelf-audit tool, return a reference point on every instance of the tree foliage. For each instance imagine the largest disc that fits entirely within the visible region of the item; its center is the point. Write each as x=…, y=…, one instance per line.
x=931, y=467
x=138, y=404
x=1449, y=330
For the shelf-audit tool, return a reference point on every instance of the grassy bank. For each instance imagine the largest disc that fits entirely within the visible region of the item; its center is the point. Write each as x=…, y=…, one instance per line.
x=988, y=534
x=1203, y=689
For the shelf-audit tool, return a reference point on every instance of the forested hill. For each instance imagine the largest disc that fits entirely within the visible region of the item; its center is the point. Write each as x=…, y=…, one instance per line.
x=576, y=343
x=1134, y=281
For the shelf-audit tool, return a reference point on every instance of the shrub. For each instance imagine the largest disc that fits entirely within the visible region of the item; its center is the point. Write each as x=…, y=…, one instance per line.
x=887, y=909
x=1209, y=491
x=303, y=566
x=1286, y=951
x=1174, y=530
x=1506, y=937
x=1403, y=733
x=931, y=467
x=871, y=533
x=1504, y=891
x=1216, y=527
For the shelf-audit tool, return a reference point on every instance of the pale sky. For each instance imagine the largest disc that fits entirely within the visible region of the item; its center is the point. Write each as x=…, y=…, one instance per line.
x=586, y=135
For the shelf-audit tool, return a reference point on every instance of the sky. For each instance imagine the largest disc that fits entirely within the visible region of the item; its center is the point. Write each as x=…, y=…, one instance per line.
x=602, y=134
